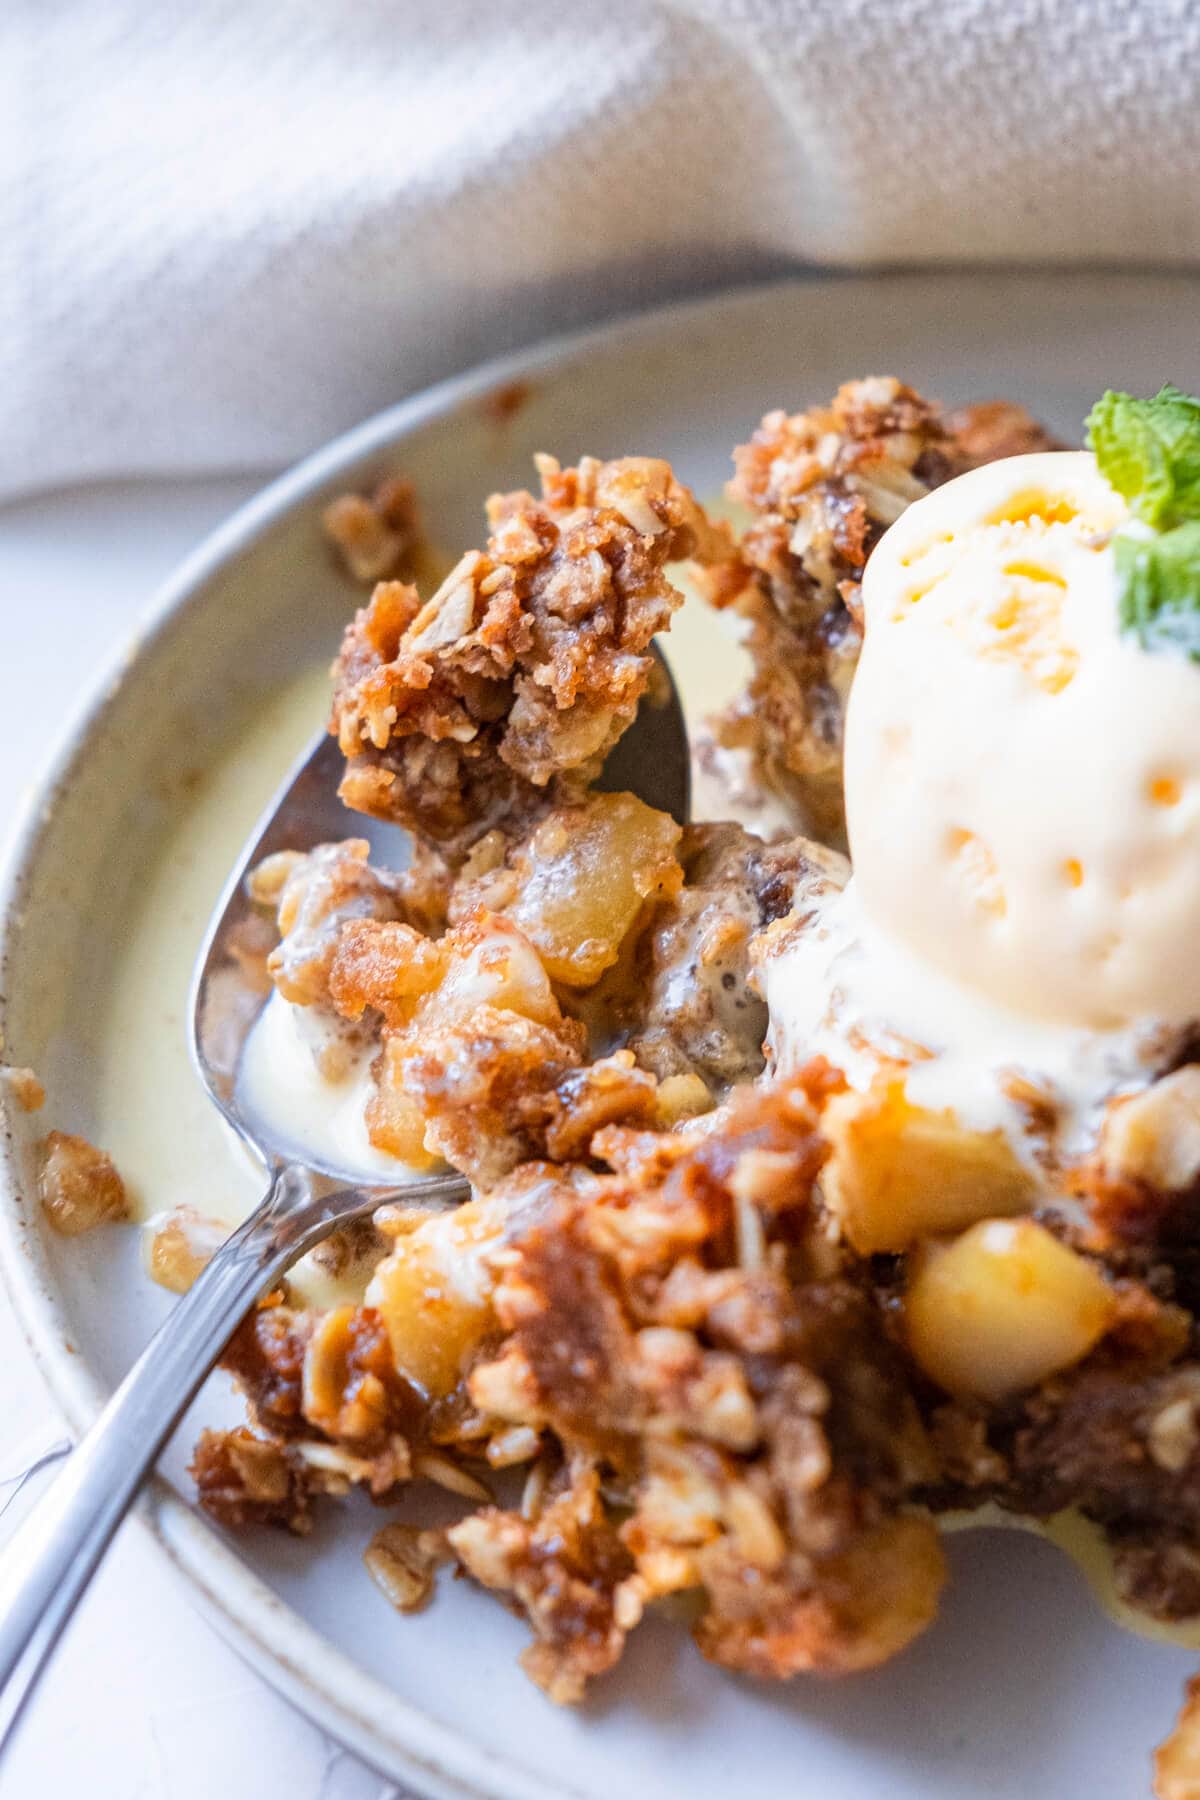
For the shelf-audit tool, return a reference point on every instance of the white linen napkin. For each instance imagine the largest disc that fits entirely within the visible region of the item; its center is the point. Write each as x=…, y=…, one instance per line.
x=229, y=228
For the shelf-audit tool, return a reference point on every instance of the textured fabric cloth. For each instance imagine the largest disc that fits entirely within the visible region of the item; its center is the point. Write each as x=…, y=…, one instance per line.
x=229, y=228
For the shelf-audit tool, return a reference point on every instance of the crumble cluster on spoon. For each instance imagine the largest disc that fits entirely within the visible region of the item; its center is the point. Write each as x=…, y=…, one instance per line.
x=809, y=1205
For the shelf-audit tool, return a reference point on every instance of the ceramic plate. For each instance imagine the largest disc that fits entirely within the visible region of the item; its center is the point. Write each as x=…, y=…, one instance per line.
x=1023, y=1687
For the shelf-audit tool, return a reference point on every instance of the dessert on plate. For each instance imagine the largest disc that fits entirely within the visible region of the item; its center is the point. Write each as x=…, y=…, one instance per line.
x=830, y=1182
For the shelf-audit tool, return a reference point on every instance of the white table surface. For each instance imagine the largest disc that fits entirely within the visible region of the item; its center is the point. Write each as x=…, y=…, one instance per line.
x=144, y=1701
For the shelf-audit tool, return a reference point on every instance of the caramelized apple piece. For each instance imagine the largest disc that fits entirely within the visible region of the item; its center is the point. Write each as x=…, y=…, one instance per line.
x=435, y=1296
x=582, y=877
x=899, y=1172
x=336, y=1399
x=1002, y=1307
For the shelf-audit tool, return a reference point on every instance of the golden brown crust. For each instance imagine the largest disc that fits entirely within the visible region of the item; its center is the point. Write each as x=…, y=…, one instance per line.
x=320, y=893
x=710, y=1395
x=272, y=1357
x=484, y=1033
x=990, y=429
x=528, y=663
x=822, y=487
x=485, y=1086
x=478, y=1062
x=244, y=1480
x=567, y=1571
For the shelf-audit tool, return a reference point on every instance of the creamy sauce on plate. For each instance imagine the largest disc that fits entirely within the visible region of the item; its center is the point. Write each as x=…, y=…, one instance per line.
x=280, y=1084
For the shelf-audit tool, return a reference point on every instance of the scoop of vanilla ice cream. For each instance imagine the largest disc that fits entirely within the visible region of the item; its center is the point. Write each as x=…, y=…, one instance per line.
x=1022, y=781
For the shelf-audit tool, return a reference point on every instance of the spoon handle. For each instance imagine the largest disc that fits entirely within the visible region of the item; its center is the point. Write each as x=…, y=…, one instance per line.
x=52, y=1556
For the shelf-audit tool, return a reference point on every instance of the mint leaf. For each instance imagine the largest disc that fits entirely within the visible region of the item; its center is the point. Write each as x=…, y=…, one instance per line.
x=1158, y=582
x=1149, y=450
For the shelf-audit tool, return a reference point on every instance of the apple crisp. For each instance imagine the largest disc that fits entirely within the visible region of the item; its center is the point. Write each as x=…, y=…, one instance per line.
x=724, y=1317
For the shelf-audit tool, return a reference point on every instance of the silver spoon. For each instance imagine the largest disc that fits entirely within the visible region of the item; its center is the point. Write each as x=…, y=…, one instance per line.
x=52, y=1556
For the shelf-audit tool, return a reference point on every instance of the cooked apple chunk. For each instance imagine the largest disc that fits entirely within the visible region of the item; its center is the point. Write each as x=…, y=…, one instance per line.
x=577, y=883
x=434, y=1295
x=899, y=1172
x=1002, y=1307
x=1154, y=1137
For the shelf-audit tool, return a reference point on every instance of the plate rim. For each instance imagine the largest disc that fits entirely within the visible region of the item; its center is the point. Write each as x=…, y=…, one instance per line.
x=326, y=1684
